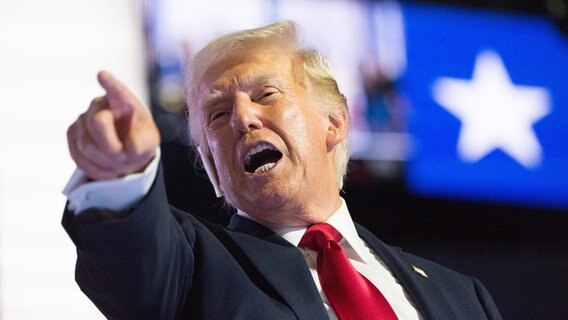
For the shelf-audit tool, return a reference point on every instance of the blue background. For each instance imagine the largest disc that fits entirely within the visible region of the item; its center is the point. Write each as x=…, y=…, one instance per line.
x=444, y=42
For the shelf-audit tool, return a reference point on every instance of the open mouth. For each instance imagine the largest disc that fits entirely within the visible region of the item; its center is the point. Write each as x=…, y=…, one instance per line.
x=261, y=158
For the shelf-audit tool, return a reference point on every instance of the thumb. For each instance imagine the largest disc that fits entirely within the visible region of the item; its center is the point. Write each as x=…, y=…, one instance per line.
x=121, y=101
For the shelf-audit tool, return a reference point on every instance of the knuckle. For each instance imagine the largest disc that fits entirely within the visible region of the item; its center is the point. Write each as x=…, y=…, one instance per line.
x=102, y=118
x=97, y=102
x=81, y=119
x=115, y=155
x=137, y=148
x=87, y=149
x=70, y=131
x=74, y=155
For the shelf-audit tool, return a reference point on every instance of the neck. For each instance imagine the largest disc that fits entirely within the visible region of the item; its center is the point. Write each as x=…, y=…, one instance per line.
x=304, y=214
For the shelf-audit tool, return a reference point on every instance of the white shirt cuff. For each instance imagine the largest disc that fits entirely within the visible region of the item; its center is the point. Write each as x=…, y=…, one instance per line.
x=116, y=195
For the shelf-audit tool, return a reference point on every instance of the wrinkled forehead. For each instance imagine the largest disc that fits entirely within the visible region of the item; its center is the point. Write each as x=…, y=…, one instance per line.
x=247, y=67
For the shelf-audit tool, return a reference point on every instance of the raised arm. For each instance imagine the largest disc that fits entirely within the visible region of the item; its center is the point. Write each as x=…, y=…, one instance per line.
x=133, y=263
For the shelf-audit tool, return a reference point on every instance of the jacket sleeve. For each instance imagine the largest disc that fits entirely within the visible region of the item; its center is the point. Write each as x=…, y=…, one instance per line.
x=136, y=264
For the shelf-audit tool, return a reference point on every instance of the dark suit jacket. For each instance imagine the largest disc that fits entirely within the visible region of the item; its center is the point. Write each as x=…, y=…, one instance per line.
x=156, y=262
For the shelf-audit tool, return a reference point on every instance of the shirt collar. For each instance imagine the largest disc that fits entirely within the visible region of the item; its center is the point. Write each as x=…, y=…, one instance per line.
x=340, y=220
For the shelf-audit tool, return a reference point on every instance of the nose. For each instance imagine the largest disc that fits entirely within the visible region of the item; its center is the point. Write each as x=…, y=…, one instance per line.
x=245, y=116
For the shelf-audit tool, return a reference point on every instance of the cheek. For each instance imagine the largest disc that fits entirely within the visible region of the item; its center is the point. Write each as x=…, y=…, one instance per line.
x=221, y=154
x=305, y=129
x=219, y=150
x=226, y=164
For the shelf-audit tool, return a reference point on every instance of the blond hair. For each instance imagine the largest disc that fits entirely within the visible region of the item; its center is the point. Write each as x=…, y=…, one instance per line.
x=309, y=65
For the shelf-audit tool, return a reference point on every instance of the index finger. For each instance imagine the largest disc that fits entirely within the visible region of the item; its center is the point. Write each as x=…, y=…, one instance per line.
x=120, y=98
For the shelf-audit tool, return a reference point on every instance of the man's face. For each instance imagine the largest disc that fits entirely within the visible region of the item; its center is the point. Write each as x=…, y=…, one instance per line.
x=269, y=143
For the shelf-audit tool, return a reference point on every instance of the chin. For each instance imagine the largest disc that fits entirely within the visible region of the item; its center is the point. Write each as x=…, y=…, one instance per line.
x=268, y=198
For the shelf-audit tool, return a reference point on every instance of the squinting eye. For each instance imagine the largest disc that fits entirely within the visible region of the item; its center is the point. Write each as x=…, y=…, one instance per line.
x=217, y=115
x=266, y=94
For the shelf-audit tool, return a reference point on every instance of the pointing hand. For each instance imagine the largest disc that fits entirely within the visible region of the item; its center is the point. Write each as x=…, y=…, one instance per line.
x=116, y=136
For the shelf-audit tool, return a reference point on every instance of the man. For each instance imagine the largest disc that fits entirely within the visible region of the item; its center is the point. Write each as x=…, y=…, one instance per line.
x=271, y=127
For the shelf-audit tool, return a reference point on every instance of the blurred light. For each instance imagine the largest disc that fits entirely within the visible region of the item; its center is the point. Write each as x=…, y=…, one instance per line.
x=489, y=105
x=494, y=112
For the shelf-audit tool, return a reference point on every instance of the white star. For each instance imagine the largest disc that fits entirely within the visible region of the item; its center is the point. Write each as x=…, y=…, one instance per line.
x=494, y=112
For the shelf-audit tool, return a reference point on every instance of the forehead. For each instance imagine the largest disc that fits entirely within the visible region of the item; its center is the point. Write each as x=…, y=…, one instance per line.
x=249, y=66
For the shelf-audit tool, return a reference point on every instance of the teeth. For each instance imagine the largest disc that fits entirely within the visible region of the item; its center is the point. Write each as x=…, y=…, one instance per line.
x=257, y=149
x=264, y=168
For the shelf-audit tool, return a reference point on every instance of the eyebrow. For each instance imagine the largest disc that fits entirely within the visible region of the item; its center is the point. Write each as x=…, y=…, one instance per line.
x=216, y=95
x=248, y=80
x=212, y=98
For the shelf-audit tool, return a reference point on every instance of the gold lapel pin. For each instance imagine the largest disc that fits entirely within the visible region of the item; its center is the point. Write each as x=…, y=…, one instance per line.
x=420, y=271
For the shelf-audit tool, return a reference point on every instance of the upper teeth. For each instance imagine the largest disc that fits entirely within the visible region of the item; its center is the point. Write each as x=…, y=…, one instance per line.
x=258, y=148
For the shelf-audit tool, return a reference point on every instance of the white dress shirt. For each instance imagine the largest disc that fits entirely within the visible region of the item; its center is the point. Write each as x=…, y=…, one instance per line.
x=122, y=193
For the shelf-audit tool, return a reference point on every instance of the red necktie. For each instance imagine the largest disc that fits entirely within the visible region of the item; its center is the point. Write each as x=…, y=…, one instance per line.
x=350, y=294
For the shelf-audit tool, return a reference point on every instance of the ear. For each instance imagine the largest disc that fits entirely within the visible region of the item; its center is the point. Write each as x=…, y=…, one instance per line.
x=338, y=128
x=211, y=171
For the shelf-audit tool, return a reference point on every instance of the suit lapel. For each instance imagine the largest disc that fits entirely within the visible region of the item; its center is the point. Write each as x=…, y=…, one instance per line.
x=413, y=279
x=278, y=261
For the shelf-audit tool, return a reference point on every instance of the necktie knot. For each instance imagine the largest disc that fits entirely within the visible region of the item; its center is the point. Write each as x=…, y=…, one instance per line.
x=350, y=294
x=319, y=236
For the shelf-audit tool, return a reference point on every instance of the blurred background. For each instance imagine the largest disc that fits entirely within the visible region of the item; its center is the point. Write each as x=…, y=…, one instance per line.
x=459, y=128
